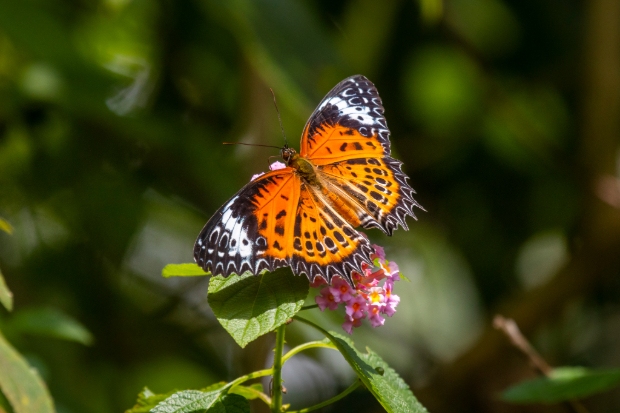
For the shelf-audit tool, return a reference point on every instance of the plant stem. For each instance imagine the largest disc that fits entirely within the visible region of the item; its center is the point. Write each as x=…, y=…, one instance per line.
x=316, y=326
x=276, y=385
x=348, y=390
x=309, y=307
x=306, y=346
x=510, y=328
x=239, y=380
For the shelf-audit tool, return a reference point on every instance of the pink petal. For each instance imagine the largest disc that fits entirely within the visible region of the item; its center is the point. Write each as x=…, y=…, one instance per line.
x=379, y=251
x=257, y=175
x=277, y=165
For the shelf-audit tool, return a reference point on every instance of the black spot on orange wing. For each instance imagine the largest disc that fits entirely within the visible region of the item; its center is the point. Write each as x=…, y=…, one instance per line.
x=297, y=230
x=339, y=237
x=376, y=196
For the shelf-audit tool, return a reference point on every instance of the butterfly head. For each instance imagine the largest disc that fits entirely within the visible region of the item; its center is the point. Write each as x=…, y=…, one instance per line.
x=288, y=154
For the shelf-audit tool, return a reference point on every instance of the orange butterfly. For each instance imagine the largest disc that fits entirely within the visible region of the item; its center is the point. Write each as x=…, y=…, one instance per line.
x=304, y=215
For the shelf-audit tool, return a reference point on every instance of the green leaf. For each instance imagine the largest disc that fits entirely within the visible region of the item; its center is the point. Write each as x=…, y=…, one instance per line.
x=249, y=306
x=182, y=270
x=382, y=381
x=6, y=296
x=231, y=403
x=564, y=383
x=51, y=323
x=188, y=401
x=148, y=400
x=21, y=384
x=5, y=226
x=249, y=392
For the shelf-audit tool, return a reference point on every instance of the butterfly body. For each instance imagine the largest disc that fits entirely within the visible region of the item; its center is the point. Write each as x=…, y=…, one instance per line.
x=304, y=215
x=303, y=167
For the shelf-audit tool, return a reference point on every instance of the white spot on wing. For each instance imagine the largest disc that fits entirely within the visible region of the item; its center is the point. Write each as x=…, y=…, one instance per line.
x=245, y=250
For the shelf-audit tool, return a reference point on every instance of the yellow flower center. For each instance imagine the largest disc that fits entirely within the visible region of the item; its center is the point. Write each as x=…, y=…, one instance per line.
x=375, y=297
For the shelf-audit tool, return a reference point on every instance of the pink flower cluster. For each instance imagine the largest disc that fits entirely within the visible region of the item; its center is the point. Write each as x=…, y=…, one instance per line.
x=368, y=299
x=274, y=166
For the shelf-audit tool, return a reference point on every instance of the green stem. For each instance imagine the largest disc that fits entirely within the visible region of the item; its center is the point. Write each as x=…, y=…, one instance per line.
x=276, y=386
x=309, y=307
x=316, y=326
x=334, y=399
x=239, y=380
x=306, y=346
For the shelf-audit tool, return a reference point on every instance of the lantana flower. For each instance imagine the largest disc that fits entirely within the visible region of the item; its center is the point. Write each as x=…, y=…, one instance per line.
x=273, y=167
x=368, y=300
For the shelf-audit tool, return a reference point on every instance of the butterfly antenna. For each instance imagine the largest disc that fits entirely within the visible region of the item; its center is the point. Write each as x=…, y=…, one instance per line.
x=279, y=118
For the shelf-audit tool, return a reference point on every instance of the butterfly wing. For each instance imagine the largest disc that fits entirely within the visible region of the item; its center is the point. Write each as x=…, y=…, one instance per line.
x=249, y=232
x=347, y=139
x=277, y=220
x=347, y=124
x=324, y=243
x=374, y=189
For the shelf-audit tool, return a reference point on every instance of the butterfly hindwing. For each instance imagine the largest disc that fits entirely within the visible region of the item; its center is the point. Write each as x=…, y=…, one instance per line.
x=324, y=244
x=376, y=188
x=347, y=124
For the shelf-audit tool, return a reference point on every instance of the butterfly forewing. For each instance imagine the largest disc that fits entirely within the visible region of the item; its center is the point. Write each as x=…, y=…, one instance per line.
x=247, y=233
x=347, y=124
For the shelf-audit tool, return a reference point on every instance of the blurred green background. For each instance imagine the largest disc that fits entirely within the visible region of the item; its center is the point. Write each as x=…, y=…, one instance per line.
x=506, y=114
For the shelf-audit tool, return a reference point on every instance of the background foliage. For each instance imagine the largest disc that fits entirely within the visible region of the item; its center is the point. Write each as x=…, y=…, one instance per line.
x=506, y=114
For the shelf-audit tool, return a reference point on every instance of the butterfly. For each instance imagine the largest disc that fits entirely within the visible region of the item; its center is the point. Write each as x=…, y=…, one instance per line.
x=304, y=215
